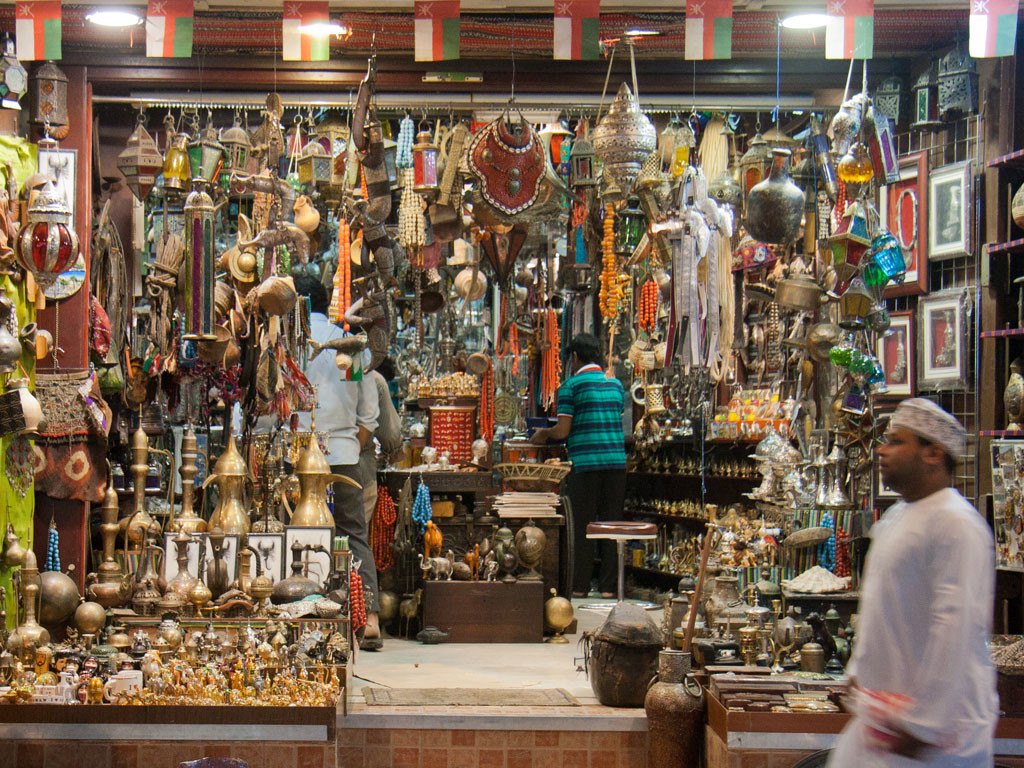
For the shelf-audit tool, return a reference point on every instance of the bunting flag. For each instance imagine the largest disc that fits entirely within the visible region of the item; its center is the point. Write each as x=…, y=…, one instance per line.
x=297, y=45
x=169, y=29
x=437, y=30
x=37, y=29
x=850, y=33
x=993, y=28
x=577, y=29
x=708, y=29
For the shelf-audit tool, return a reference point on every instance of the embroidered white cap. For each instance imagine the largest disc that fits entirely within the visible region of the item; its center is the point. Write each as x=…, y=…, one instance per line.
x=930, y=422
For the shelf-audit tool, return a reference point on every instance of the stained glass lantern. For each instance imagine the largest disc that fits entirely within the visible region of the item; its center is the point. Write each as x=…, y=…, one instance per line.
x=958, y=85
x=237, y=146
x=582, y=172
x=856, y=302
x=850, y=241
x=205, y=155
x=888, y=98
x=887, y=256
x=926, y=99
x=755, y=164
x=855, y=166
x=176, y=169
x=632, y=224
x=314, y=165
x=200, y=267
x=424, y=165
x=140, y=161
x=47, y=245
x=882, y=148
x=332, y=134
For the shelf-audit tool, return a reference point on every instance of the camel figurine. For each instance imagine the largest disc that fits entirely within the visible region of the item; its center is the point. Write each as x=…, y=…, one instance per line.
x=432, y=540
x=473, y=561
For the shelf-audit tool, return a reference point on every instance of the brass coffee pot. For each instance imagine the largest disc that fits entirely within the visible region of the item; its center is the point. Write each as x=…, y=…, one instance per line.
x=230, y=474
x=28, y=635
x=187, y=520
x=139, y=522
x=109, y=586
x=314, y=475
x=183, y=581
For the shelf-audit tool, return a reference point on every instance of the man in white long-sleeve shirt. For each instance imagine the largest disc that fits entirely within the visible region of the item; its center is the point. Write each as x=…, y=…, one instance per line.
x=926, y=607
x=348, y=412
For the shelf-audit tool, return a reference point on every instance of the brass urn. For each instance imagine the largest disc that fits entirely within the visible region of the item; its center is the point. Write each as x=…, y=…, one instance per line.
x=187, y=520
x=314, y=475
x=230, y=474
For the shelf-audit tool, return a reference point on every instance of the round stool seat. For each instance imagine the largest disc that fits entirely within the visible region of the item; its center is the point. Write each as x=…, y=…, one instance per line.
x=621, y=530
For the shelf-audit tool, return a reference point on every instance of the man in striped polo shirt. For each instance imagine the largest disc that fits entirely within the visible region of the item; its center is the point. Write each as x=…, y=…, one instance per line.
x=590, y=409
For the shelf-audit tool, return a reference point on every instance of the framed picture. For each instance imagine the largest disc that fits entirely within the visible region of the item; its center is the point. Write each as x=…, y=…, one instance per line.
x=270, y=550
x=949, y=211
x=61, y=165
x=1008, y=503
x=882, y=491
x=317, y=565
x=942, y=347
x=904, y=210
x=171, y=555
x=895, y=351
x=230, y=555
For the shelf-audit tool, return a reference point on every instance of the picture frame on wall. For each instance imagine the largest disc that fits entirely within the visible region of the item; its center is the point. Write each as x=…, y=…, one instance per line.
x=61, y=166
x=904, y=210
x=271, y=552
x=883, y=492
x=942, y=347
x=319, y=563
x=895, y=351
x=949, y=211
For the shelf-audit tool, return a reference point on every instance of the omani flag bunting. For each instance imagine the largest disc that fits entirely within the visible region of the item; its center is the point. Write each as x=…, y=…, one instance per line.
x=169, y=29
x=297, y=45
x=437, y=30
x=708, y=29
x=993, y=28
x=850, y=33
x=577, y=29
x=37, y=29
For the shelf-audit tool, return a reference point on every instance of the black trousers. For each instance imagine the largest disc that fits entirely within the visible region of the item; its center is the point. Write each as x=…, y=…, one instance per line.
x=350, y=520
x=595, y=496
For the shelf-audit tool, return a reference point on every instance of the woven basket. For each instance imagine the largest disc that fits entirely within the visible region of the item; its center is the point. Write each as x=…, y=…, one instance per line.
x=551, y=473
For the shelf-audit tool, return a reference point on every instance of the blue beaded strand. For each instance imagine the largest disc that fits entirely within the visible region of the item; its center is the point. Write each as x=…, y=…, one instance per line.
x=827, y=549
x=53, y=550
x=421, y=509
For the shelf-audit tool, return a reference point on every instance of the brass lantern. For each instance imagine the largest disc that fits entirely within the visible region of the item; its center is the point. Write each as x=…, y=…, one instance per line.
x=332, y=134
x=200, y=267
x=176, y=170
x=205, y=155
x=581, y=163
x=926, y=99
x=424, y=164
x=13, y=77
x=140, y=161
x=314, y=165
x=49, y=87
x=888, y=98
x=958, y=85
x=755, y=164
x=237, y=146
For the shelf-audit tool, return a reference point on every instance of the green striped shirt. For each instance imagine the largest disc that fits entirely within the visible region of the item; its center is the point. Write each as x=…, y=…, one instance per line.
x=595, y=404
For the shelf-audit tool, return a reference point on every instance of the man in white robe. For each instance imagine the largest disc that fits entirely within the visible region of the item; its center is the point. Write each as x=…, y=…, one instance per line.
x=925, y=608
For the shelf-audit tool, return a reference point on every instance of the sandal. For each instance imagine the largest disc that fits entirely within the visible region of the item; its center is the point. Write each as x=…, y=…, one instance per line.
x=371, y=643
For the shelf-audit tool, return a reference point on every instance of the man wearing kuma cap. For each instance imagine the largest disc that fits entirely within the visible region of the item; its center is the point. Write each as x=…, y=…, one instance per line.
x=925, y=610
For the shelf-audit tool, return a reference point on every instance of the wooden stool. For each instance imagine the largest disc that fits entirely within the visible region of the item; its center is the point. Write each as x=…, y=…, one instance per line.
x=620, y=532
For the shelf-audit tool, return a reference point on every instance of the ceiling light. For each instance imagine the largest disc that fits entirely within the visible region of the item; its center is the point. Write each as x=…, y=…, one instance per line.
x=324, y=28
x=118, y=17
x=635, y=32
x=805, y=21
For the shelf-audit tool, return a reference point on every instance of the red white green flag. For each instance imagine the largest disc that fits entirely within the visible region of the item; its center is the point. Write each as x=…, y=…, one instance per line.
x=850, y=33
x=993, y=28
x=299, y=45
x=438, y=29
x=37, y=29
x=708, y=29
x=169, y=29
x=577, y=29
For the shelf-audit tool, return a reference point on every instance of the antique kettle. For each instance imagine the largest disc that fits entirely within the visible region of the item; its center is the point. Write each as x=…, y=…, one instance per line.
x=775, y=206
x=623, y=139
x=296, y=586
x=230, y=474
x=623, y=656
x=14, y=553
x=800, y=291
x=314, y=474
x=217, y=570
x=725, y=606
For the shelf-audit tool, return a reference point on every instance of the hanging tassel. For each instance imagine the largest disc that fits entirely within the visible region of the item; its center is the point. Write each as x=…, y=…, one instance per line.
x=382, y=532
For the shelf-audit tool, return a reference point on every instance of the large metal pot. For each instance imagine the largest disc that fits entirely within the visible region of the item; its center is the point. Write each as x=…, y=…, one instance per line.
x=623, y=657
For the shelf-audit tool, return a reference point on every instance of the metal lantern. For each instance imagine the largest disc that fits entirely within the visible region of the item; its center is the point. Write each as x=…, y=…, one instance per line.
x=391, y=160
x=47, y=245
x=850, y=241
x=13, y=77
x=205, y=155
x=332, y=134
x=237, y=146
x=632, y=225
x=755, y=165
x=958, y=85
x=176, y=170
x=887, y=256
x=140, y=161
x=581, y=163
x=552, y=135
x=424, y=164
x=49, y=87
x=856, y=301
x=314, y=165
x=200, y=267
x=888, y=98
x=623, y=140
x=926, y=99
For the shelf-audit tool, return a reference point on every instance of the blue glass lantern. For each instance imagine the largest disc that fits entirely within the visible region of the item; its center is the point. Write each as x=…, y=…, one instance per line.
x=887, y=256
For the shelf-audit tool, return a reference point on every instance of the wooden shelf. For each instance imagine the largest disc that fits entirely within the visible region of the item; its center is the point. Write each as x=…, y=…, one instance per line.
x=1010, y=246
x=1012, y=160
x=675, y=476
x=667, y=518
x=1005, y=333
x=1001, y=433
x=653, y=572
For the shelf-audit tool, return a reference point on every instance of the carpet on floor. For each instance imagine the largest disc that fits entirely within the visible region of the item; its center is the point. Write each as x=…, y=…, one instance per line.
x=469, y=697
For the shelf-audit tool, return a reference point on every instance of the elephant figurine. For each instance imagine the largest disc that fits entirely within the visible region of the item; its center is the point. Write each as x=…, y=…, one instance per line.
x=436, y=568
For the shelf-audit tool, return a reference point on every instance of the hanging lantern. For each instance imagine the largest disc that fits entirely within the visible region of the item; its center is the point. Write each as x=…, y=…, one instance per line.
x=856, y=302
x=682, y=149
x=887, y=256
x=581, y=163
x=47, y=245
x=13, y=77
x=552, y=135
x=632, y=224
x=882, y=147
x=958, y=85
x=49, y=87
x=176, y=169
x=391, y=160
x=755, y=164
x=926, y=99
x=332, y=134
x=424, y=165
x=314, y=165
x=850, y=241
x=200, y=267
x=140, y=161
x=823, y=161
x=205, y=155
x=888, y=98
x=623, y=140
x=856, y=167
x=235, y=141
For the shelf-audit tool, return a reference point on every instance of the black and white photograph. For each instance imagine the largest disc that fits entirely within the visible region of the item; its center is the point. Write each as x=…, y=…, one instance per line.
x=170, y=568
x=317, y=565
x=949, y=211
x=942, y=351
x=230, y=555
x=60, y=165
x=270, y=550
